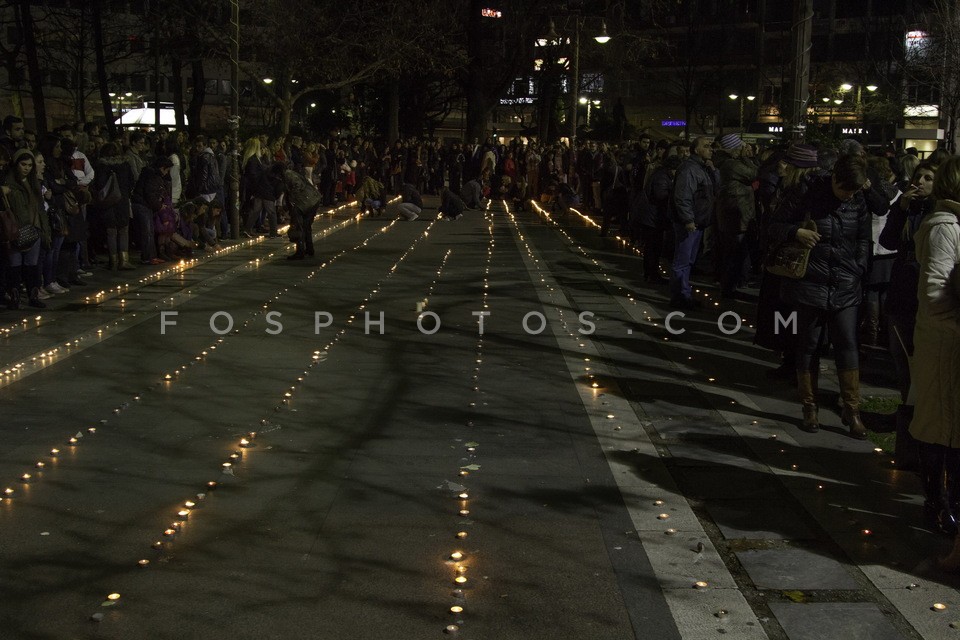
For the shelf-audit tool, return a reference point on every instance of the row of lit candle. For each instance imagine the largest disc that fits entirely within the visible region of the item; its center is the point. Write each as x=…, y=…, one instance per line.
x=167, y=378
x=457, y=557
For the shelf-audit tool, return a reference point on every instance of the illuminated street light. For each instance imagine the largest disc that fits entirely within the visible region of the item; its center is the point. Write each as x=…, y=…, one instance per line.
x=268, y=81
x=846, y=86
x=872, y=87
x=734, y=96
x=584, y=101
x=603, y=38
x=751, y=98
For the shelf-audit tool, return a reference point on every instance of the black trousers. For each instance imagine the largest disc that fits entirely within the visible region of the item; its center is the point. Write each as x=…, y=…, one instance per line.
x=305, y=243
x=652, y=238
x=842, y=328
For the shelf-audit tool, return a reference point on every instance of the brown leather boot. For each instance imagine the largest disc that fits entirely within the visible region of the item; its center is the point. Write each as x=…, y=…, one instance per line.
x=807, y=386
x=850, y=396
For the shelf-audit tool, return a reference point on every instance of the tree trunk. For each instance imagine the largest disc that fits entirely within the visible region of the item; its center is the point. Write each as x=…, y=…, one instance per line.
x=97, y=19
x=286, y=108
x=81, y=64
x=33, y=68
x=176, y=70
x=478, y=105
x=196, y=100
x=393, y=109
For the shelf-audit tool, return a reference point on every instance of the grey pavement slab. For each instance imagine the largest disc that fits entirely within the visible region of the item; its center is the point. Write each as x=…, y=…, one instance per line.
x=834, y=621
x=795, y=569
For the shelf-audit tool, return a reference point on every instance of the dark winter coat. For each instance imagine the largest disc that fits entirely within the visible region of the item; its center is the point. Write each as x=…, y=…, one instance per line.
x=839, y=260
x=302, y=195
x=204, y=174
x=256, y=182
x=152, y=189
x=410, y=195
x=695, y=192
x=119, y=214
x=737, y=204
x=898, y=234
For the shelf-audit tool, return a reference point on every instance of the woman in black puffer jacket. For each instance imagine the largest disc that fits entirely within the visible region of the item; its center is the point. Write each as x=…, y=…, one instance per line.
x=830, y=292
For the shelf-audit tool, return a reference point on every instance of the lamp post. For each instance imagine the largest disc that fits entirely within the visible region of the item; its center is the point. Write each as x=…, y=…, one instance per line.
x=734, y=96
x=602, y=38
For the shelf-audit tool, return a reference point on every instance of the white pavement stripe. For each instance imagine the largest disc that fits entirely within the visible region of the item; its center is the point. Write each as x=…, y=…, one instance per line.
x=667, y=542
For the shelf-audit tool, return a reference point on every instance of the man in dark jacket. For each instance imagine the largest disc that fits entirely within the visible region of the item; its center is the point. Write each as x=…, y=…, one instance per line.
x=829, y=293
x=149, y=195
x=205, y=180
x=693, y=197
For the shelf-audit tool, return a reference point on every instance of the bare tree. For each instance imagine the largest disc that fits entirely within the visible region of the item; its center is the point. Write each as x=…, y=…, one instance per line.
x=933, y=62
x=11, y=50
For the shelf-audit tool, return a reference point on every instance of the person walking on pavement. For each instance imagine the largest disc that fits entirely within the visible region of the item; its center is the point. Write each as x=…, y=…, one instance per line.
x=829, y=294
x=693, y=196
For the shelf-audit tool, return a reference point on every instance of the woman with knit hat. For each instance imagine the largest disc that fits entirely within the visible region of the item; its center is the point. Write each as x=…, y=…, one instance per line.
x=22, y=193
x=795, y=168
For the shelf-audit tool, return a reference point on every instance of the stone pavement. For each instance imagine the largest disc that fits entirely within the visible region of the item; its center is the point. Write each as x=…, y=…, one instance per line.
x=624, y=483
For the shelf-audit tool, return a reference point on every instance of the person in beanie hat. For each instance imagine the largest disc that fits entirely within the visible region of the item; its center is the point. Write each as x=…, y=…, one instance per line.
x=797, y=165
x=802, y=156
x=736, y=213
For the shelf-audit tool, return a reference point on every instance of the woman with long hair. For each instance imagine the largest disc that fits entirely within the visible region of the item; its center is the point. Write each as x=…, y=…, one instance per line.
x=22, y=192
x=260, y=196
x=935, y=368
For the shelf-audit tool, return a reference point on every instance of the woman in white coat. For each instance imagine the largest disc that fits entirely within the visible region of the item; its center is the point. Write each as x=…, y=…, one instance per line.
x=935, y=369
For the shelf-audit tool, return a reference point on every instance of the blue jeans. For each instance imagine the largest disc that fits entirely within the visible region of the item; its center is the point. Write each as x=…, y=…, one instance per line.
x=49, y=259
x=684, y=256
x=148, y=245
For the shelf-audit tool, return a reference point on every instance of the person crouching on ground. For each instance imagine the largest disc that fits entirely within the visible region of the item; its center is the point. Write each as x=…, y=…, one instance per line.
x=829, y=294
x=472, y=195
x=372, y=196
x=412, y=203
x=451, y=206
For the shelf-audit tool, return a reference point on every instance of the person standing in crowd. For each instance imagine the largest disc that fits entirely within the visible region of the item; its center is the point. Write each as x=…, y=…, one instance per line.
x=615, y=198
x=149, y=196
x=881, y=259
x=829, y=294
x=935, y=366
x=12, y=139
x=205, y=181
x=21, y=190
x=736, y=213
x=653, y=211
x=693, y=198
x=794, y=171
x=135, y=152
x=900, y=306
x=116, y=216
x=259, y=191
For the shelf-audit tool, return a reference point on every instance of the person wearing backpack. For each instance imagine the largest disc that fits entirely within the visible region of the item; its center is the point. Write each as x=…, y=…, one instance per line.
x=304, y=200
x=112, y=188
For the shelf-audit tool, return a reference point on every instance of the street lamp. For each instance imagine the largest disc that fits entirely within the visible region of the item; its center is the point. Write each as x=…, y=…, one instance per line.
x=268, y=81
x=602, y=38
x=734, y=96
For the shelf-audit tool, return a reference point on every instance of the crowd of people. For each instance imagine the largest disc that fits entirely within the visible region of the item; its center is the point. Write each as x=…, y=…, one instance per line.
x=856, y=249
